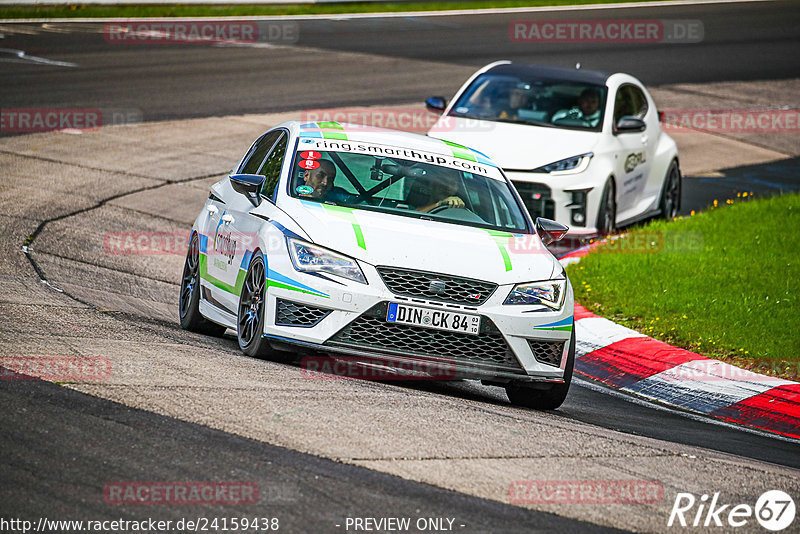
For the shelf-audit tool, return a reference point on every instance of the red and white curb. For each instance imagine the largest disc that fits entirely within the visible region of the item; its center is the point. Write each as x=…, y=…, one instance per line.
x=634, y=363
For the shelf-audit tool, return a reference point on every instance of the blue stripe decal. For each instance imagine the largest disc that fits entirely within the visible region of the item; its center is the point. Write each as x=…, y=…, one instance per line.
x=202, y=243
x=312, y=205
x=246, y=260
x=278, y=277
x=562, y=322
x=311, y=134
x=483, y=159
x=284, y=230
x=306, y=125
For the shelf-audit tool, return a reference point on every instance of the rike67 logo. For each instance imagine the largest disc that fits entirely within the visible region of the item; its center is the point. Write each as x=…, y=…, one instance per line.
x=774, y=510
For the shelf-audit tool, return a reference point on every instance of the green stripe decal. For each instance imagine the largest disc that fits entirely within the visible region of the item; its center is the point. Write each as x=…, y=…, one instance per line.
x=461, y=152
x=500, y=239
x=273, y=283
x=564, y=328
x=334, y=135
x=348, y=215
x=331, y=125
x=236, y=290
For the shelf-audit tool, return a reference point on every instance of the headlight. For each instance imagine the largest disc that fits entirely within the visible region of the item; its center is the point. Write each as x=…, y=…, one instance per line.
x=310, y=258
x=549, y=293
x=572, y=165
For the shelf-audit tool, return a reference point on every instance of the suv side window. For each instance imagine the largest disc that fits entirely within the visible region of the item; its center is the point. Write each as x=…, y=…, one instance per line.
x=630, y=100
x=271, y=168
x=258, y=151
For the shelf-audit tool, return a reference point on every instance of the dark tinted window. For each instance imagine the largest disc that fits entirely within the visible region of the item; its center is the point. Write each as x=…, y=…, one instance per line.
x=630, y=101
x=271, y=168
x=258, y=152
x=538, y=101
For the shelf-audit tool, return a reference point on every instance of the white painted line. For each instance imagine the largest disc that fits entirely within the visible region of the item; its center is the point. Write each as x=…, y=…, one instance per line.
x=593, y=333
x=395, y=14
x=631, y=397
x=19, y=56
x=703, y=393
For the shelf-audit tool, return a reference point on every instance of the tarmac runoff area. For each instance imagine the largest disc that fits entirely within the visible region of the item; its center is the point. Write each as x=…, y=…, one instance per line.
x=154, y=177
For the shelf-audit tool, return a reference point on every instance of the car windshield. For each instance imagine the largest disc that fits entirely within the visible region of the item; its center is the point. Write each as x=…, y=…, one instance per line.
x=399, y=186
x=541, y=102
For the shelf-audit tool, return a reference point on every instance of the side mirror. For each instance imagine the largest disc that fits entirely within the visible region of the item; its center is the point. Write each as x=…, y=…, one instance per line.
x=550, y=231
x=248, y=185
x=437, y=104
x=629, y=124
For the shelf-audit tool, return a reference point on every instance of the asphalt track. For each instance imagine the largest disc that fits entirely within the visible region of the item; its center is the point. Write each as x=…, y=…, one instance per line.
x=384, y=61
x=352, y=61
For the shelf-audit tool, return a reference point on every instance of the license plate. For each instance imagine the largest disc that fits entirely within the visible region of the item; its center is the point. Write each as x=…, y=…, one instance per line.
x=437, y=319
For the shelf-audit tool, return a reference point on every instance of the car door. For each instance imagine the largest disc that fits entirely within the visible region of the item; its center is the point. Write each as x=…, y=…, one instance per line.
x=229, y=237
x=247, y=223
x=633, y=156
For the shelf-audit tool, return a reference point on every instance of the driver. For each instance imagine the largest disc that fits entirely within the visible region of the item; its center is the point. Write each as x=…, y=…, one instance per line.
x=434, y=191
x=321, y=180
x=519, y=98
x=587, y=110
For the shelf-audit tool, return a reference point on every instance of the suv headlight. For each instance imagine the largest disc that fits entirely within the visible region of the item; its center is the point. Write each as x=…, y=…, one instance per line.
x=572, y=165
x=548, y=292
x=310, y=258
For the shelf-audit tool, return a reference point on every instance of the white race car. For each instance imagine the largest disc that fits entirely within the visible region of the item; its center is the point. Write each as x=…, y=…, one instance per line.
x=407, y=252
x=584, y=148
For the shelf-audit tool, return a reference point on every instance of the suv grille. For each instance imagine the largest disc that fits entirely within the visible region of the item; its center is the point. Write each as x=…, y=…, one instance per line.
x=288, y=313
x=372, y=331
x=434, y=286
x=547, y=352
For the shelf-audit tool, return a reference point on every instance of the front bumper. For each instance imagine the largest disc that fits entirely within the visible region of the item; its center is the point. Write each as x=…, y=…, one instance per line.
x=572, y=200
x=348, y=318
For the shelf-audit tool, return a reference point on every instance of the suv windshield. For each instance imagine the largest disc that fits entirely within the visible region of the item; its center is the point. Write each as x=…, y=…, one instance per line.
x=405, y=187
x=541, y=102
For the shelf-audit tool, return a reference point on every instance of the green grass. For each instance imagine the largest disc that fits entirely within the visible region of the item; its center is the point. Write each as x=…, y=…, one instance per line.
x=174, y=10
x=724, y=283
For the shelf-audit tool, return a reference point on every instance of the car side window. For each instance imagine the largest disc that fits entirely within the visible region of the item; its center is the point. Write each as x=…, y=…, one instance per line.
x=630, y=101
x=271, y=168
x=259, y=150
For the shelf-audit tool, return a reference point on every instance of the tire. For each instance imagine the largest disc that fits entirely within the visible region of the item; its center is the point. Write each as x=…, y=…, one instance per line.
x=607, y=212
x=545, y=399
x=252, y=308
x=189, y=298
x=670, y=202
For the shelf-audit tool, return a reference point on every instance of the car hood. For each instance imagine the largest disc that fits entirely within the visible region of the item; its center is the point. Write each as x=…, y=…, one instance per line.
x=394, y=240
x=515, y=146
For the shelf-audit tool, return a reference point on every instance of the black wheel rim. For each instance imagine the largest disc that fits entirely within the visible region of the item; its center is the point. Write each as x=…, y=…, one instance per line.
x=251, y=304
x=191, y=276
x=608, y=210
x=672, y=194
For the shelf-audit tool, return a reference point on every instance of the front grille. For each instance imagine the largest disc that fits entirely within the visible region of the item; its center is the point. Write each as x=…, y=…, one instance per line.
x=537, y=198
x=547, y=352
x=288, y=313
x=434, y=286
x=372, y=331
